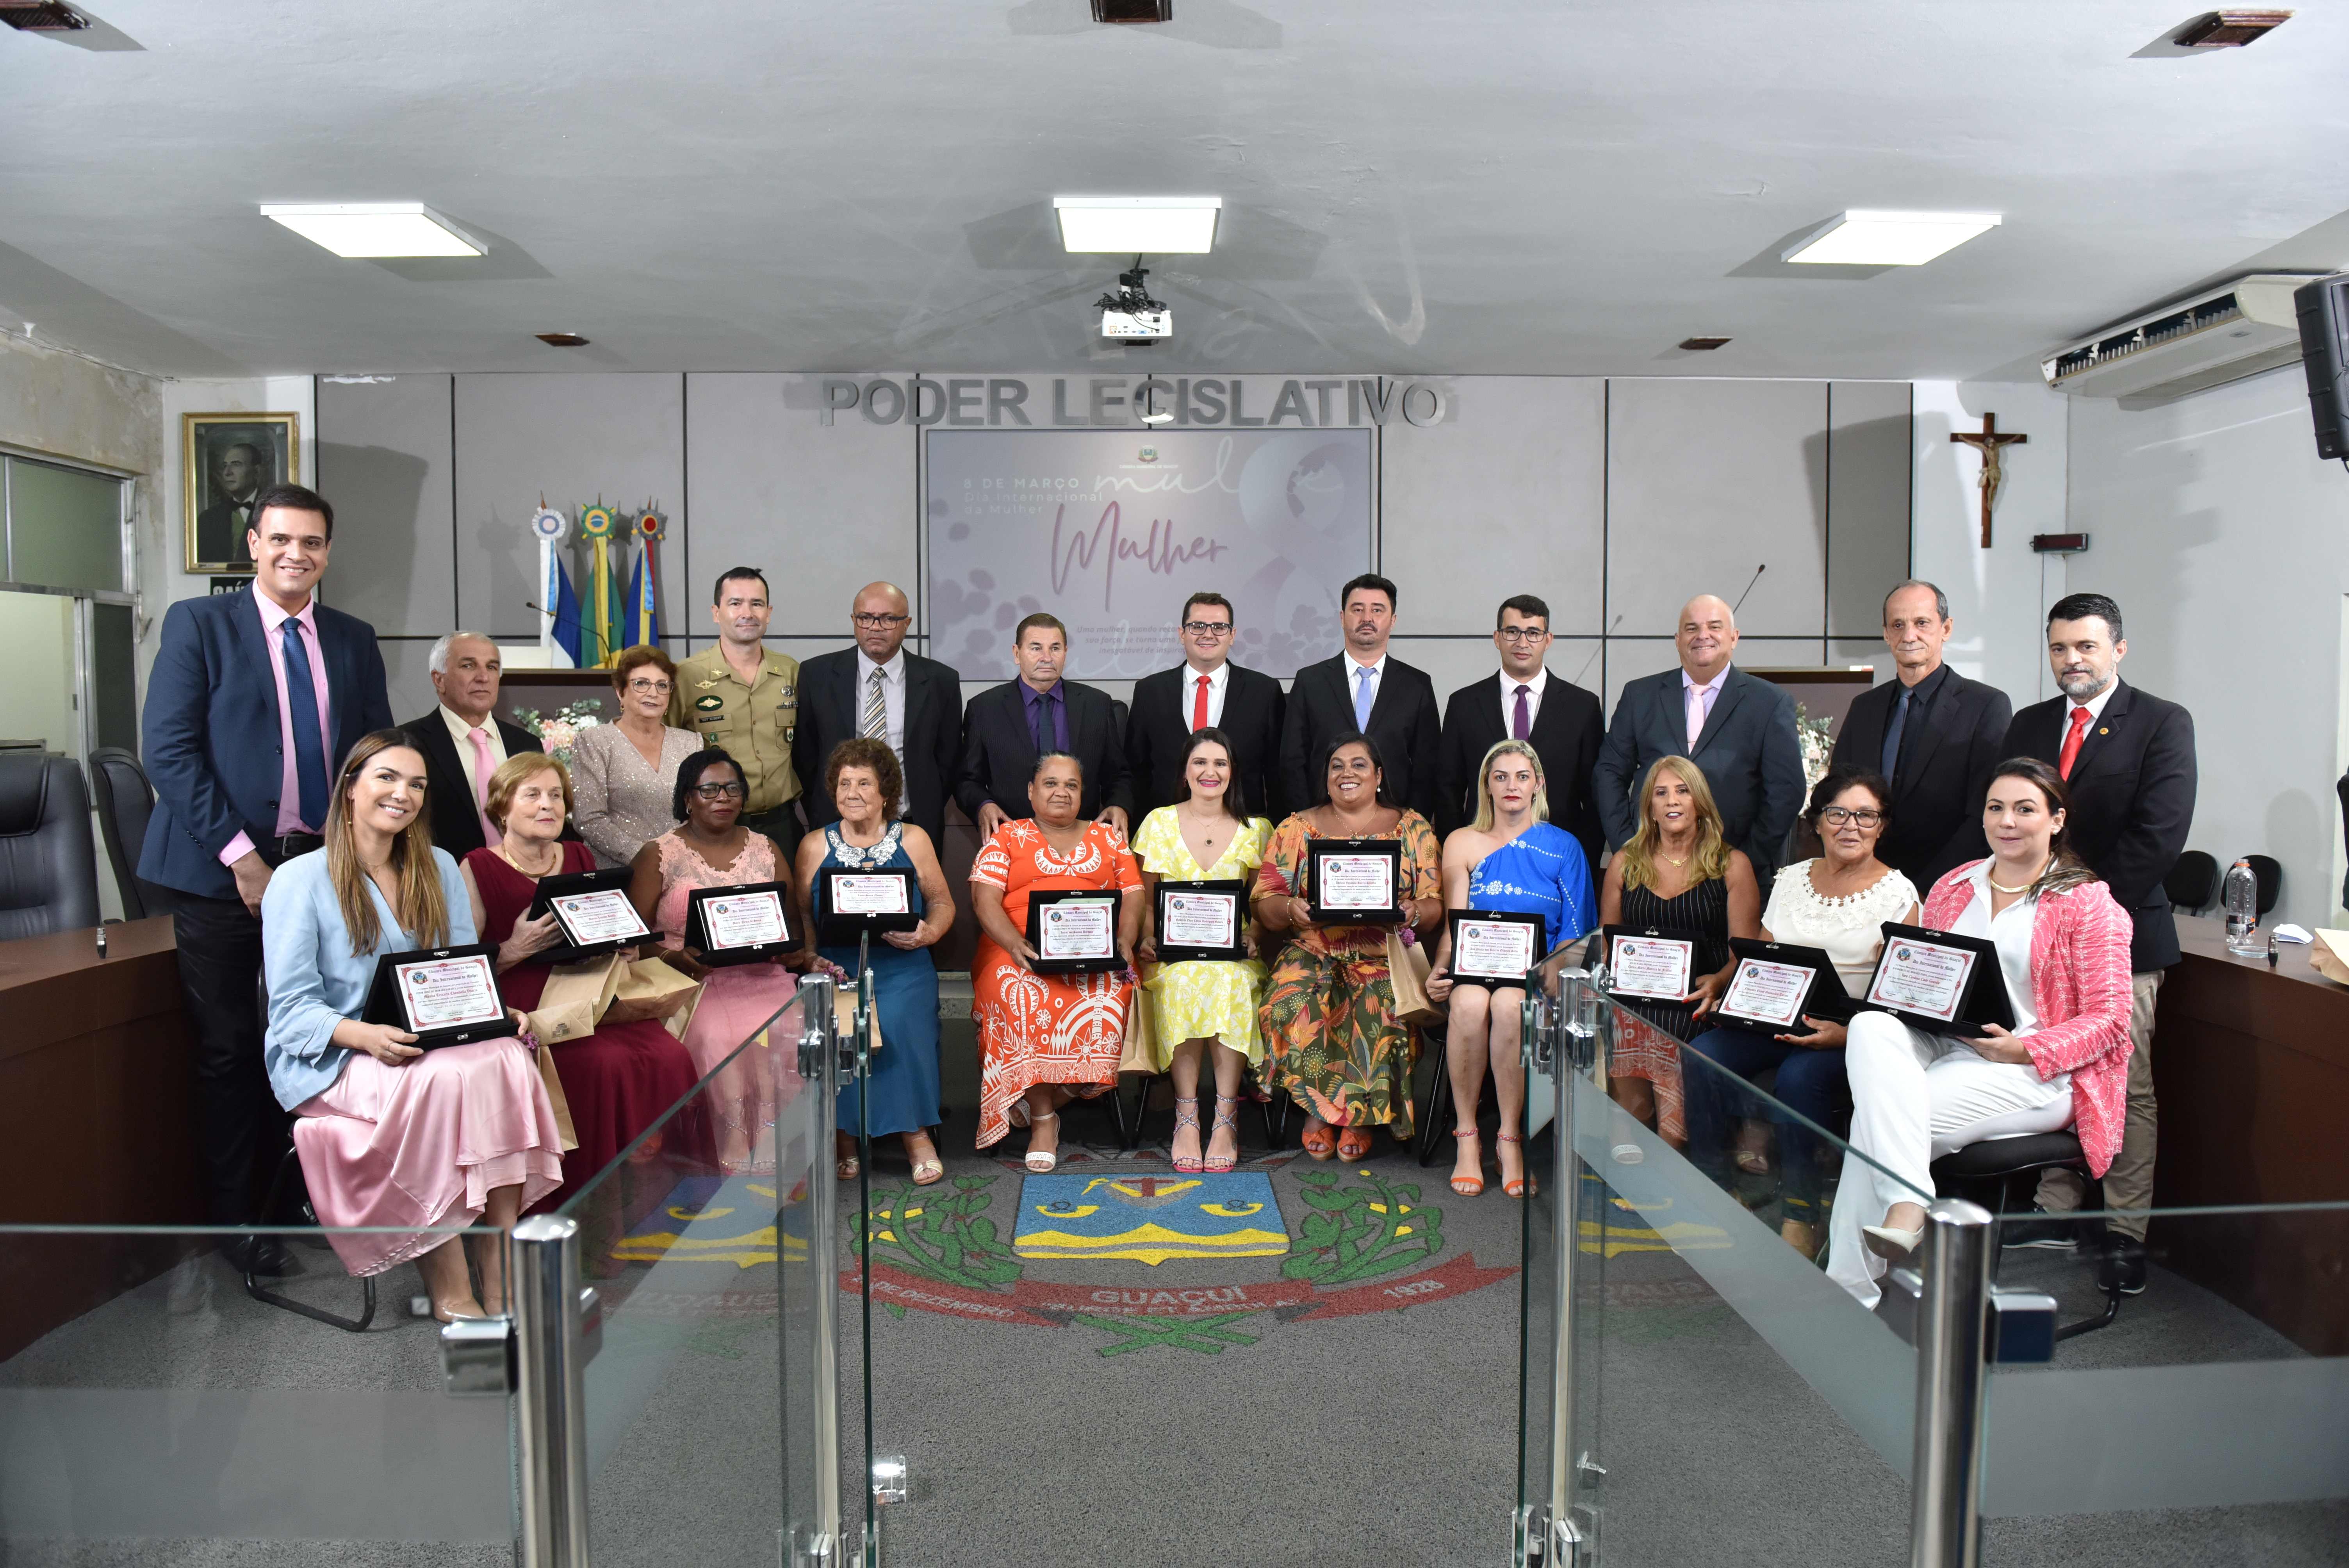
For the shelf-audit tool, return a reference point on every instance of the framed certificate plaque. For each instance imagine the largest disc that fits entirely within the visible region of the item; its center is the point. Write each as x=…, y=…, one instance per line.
x=1493, y=947
x=1202, y=920
x=1650, y=963
x=1074, y=931
x=592, y=911
x=1354, y=881
x=1939, y=981
x=857, y=901
x=746, y=924
x=442, y=996
x=1775, y=984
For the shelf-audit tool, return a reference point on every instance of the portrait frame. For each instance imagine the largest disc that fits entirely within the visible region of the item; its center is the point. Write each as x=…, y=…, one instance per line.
x=211, y=543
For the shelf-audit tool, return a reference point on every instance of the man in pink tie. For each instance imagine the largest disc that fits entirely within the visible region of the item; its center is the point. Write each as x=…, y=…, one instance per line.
x=1206, y=689
x=1525, y=702
x=464, y=740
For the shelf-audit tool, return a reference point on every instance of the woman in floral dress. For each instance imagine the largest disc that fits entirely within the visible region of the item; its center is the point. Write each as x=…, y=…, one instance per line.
x=1329, y=1016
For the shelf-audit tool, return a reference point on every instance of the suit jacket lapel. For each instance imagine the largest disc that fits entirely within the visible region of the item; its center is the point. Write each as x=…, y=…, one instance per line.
x=1938, y=719
x=245, y=616
x=2103, y=731
x=1724, y=702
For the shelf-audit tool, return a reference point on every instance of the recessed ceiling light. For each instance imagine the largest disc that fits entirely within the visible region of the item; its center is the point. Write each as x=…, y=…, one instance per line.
x=2228, y=29
x=1702, y=345
x=1876, y=238
x=562, y=339
x=1138, y=225
x=375, y=229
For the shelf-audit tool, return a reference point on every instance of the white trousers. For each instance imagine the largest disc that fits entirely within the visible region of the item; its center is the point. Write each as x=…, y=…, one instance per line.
x=1915, y=1098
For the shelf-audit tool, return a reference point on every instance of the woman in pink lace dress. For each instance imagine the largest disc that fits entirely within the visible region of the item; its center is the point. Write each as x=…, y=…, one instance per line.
x=712, y=848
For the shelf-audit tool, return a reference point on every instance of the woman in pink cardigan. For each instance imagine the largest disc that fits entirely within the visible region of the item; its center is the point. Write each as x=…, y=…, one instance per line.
x=2063, y=951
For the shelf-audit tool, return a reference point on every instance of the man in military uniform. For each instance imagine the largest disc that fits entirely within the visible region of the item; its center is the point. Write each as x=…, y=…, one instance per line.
x=745, y=698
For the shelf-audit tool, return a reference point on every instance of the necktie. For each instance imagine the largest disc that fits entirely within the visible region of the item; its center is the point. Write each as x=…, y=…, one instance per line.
x=873, y=724
x=1199, y=708
x=1044, y=724
x=482, y=769
x=1522, y=725
x=309, y=745
x=2072, y=739
x=1892, y=732
x=1362, y=697
x=1695, y=716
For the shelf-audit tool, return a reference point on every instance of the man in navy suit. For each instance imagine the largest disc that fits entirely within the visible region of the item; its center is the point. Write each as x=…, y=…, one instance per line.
x=1525, y=703
x=1740, y=731
x=1205, y=689
x=880, y=688
x=1006, y=728
x=1362, y=691
x=254, y=698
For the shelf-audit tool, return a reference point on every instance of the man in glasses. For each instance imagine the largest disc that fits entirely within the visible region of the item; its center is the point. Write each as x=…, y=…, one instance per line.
x=463, y=741
x=743, y=696
x=1205, y=689
x=880, y=688
x=1933, y=733
x=1561, y=719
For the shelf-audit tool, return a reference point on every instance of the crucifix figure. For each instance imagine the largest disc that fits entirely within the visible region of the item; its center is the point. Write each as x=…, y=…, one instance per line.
x=1993, y=470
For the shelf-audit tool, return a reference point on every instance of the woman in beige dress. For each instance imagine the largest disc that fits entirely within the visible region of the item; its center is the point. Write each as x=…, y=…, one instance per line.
x=624, y=775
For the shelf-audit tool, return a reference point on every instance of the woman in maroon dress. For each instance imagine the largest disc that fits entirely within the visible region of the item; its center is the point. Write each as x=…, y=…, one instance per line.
x=619, y=1080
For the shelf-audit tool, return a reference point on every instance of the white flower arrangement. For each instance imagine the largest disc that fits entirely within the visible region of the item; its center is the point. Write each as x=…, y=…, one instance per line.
x=562, y=732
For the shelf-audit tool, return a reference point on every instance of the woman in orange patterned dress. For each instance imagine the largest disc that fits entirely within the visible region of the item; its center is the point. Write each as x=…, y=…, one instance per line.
x=1046, y=1039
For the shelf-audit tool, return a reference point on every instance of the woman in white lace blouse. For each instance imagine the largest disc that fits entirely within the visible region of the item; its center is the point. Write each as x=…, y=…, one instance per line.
x=1838, y=902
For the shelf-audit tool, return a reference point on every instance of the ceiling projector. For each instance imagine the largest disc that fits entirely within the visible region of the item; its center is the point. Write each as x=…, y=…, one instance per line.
x=1128, y=313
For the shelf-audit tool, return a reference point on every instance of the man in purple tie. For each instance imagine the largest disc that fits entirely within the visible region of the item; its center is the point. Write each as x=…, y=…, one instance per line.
x=1525, y=702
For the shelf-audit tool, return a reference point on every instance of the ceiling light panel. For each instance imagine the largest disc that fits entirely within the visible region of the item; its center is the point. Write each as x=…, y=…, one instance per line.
x=1138, y=225
x=1879, y=238
x=375, y=229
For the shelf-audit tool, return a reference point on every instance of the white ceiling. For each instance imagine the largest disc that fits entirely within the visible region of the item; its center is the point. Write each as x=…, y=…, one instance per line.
x=1524, y=186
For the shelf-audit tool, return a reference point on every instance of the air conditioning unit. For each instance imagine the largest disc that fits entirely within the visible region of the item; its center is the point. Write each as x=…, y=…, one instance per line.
x=2232, y=332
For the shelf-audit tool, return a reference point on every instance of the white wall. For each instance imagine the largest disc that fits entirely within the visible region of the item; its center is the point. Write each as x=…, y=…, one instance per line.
x=2225, y=540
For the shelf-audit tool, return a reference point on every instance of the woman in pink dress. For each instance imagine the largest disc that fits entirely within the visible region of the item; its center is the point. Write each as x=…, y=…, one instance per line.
x=391, y=1135
x=712, y=848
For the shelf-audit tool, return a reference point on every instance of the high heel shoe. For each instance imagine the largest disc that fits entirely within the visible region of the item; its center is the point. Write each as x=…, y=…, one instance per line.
x=1524, y=1186
x=1469, y=1186
x=1219, y=1163
x=1316, y=1140
x=1044, y=1162
x=1893, y=1246
x=1186, y=1114
x=1354, y=1145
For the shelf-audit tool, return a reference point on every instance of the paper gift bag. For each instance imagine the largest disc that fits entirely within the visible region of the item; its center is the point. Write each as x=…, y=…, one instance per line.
x=2330, y=954
x=1141, y=1053
x=1408, y=968
x=594, y=981
x=843, y=1014
x=647, y=988
x=553, y=1082
x=572, y=1020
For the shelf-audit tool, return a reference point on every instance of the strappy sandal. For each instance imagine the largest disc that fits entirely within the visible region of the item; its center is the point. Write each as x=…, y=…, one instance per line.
x=1354, y=1145
x=845, y=1167
x=1469, y=1186
x=1523, y=1185
x=1223, y=1118
x=1318, y=1142
x=928, y=1172
x=1050, y=1159
x=1017, y=1114
x=1186, y=1114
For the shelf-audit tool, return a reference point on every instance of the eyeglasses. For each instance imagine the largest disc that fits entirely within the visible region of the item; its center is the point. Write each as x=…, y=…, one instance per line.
x=652, y=689
x=720, y=791
x=1207, y=628
x=1524, y=634
x=1836, y=816
x=873, y=623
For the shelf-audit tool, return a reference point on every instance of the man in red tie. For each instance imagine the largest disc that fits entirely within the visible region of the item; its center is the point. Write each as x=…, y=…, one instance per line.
x=464, y=740
x=1205, y=689
x=2127, y=757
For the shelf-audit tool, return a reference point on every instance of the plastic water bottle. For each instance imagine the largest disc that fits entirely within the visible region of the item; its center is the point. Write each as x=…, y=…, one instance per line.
x=2243, y=901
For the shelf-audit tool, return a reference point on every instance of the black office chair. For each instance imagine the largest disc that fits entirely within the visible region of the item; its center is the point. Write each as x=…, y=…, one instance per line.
x=2269, y=873
x=289, y=1172
x=2192, y=883
x=1987, y=1173
x=125, y=802
x=49, y=867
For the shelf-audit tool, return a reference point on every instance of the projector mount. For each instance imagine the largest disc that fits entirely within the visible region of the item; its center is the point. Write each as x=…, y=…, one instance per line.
x=1130, y=297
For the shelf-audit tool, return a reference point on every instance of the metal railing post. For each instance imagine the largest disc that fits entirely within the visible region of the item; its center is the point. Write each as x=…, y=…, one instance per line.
x=820, y=1063
x=550, y=1365
x=1953, y=1382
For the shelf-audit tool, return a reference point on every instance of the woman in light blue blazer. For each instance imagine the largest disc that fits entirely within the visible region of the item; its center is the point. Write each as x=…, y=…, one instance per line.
x=394, y=1138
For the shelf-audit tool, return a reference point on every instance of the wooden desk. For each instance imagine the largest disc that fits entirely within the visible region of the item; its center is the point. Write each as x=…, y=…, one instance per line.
x=2251, y=1066
x=97, y=1117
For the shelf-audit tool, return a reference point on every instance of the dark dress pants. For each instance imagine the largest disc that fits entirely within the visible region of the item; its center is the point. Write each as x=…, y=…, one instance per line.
x=240, y=1128
x=1811, y=1082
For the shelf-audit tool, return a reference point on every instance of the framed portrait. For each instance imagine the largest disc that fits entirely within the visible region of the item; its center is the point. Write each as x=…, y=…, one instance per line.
x=229, y=458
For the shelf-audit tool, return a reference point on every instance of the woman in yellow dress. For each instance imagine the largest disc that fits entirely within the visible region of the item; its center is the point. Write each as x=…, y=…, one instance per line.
x=1204, y=1005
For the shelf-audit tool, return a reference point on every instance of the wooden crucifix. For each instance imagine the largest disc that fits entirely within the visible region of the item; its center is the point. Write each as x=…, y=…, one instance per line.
x=1993, y=470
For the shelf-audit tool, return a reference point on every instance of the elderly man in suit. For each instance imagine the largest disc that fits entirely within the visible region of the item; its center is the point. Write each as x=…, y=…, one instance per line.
x=1364, y=691
x=1207, y=688
x=2127, y=757
x=1007, y=728
x=878, y=688
x=254, y=699
x=1934, y=734
x=463, y=741
x=1526, y=703
x=1739, y=730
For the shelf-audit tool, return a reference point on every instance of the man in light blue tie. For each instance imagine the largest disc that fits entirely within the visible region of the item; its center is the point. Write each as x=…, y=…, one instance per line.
x=1362, y=691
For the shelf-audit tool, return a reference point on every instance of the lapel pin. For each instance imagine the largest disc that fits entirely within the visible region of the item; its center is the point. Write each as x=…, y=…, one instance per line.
x=2103, y=731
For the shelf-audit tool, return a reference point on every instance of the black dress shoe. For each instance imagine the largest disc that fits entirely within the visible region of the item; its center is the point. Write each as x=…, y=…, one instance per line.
x=2122, y=1264
x=262, y=1256
x=2040, y=1229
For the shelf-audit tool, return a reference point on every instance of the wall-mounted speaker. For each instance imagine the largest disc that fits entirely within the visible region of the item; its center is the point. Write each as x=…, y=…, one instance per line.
x=2322, y=307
